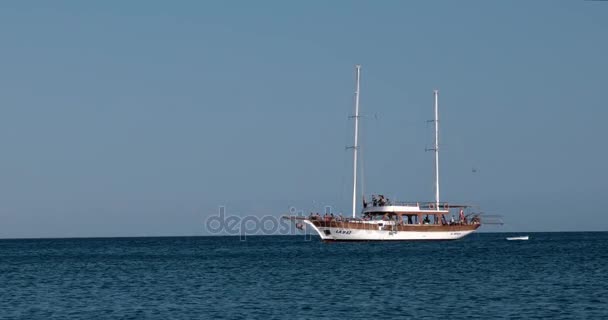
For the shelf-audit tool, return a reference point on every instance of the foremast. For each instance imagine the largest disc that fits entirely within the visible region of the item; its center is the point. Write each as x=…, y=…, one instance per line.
x=436, y=148
x=356, y=145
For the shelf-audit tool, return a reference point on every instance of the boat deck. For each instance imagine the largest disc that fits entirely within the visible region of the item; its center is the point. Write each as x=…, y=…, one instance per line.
x=387, y=225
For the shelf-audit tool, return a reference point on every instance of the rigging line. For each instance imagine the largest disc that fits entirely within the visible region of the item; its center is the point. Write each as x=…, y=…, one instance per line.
x=362, y=173
x=343, y=177
x=345, y=156
x=361, y=159
x=373, y=125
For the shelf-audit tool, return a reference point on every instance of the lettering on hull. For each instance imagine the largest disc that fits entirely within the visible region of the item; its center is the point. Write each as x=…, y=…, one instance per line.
x=344, y=231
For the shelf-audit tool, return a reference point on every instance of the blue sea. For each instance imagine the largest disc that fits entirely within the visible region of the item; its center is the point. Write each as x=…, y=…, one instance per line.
x=550, y=276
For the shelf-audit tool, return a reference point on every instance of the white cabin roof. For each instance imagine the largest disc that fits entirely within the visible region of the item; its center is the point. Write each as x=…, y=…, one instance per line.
x=415, y=208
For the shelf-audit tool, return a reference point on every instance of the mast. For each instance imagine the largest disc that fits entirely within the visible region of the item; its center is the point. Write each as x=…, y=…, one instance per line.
x=436, y=94
x=356, y=146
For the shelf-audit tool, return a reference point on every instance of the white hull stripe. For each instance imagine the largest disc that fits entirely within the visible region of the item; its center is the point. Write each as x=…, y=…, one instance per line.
x=344, y=234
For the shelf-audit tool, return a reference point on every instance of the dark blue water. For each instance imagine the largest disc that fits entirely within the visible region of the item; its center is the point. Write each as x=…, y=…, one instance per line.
x=553, y=275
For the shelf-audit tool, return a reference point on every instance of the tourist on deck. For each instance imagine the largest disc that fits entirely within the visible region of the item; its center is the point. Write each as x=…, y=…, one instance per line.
x=461, y=217
x=426, y=220
x=452, y=220
x=381, y=200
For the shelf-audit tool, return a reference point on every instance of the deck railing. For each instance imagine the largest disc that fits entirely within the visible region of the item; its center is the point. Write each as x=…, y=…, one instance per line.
x=387, y=202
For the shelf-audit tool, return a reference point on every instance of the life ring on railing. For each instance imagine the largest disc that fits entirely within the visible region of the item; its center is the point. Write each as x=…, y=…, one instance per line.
x=431, y=206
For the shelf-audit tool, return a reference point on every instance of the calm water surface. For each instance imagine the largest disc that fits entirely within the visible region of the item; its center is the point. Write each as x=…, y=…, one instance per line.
x=553, y=275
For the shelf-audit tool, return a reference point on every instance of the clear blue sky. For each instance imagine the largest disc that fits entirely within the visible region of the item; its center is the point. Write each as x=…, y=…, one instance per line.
x=139, y=118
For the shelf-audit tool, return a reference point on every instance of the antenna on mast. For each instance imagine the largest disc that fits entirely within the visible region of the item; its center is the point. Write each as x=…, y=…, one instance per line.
x=356, y=146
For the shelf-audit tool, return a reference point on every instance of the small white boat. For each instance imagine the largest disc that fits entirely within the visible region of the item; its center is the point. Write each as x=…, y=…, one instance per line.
x=518, y=238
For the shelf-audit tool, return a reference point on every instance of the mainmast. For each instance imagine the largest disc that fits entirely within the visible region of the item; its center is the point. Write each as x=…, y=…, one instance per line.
x=356, y=146
x=436, y=93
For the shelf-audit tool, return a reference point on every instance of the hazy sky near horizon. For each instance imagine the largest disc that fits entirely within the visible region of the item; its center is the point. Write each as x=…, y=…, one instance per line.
x=140, y=118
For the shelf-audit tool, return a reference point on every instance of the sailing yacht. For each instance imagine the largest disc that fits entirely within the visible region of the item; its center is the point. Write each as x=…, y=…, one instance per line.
x=385, y=220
